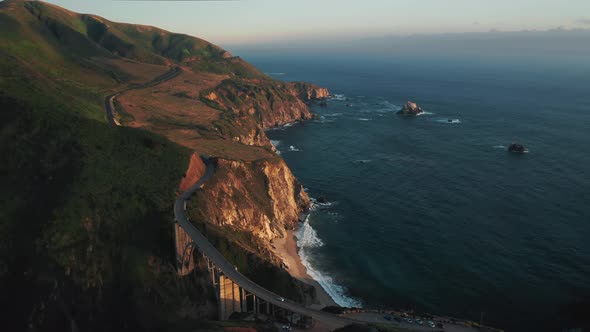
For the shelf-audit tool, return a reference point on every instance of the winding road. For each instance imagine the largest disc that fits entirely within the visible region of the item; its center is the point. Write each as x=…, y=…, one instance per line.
x=228, y=269
x=109, y=101
x=328, y=321
x=205, y=247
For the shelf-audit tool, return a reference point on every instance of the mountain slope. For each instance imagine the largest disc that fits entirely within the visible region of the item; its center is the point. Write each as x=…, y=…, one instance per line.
x=86, y=233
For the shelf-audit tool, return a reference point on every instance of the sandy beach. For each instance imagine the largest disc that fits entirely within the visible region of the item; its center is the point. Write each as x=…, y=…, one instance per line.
x=286, y=248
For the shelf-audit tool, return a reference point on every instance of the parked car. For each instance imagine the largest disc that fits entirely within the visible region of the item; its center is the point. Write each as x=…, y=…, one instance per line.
x=281, y=299
x=419, y=322
x=409, y=321
x=440, y=325
x=431, y=324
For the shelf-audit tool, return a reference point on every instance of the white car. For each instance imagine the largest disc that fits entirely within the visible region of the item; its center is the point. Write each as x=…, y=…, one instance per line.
x=431, y=324
x=281, y=299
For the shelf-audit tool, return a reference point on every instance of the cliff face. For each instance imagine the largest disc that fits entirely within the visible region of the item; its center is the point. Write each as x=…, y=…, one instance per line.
x=262, y=198
x=309, y=92
x=270, y=103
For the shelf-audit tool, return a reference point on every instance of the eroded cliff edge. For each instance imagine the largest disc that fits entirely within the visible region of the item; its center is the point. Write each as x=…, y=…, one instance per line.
x=260, y=197
x=257, y=198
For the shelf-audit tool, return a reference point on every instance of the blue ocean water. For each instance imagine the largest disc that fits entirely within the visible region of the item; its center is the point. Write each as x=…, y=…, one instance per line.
x=436, y=216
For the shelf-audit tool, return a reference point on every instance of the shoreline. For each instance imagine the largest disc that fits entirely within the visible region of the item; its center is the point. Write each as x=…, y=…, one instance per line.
x=286, y=248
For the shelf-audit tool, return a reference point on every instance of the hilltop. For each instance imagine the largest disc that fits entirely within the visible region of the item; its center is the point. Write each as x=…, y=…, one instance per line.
x=86, y=207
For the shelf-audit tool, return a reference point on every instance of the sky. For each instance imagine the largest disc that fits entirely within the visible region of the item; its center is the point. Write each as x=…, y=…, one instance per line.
x=243, y=22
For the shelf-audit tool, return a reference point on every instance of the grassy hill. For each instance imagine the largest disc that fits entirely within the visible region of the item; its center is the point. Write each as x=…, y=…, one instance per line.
x=85, y=218
x=86, y=230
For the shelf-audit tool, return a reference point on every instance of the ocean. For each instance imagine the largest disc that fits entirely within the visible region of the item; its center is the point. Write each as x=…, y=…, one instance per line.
x=435, y=215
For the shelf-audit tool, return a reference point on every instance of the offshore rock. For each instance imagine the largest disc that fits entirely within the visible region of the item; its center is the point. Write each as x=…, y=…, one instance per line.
x=410, y=108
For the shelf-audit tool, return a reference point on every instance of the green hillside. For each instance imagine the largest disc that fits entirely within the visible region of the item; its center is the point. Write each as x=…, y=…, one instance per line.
x=86, y=219
x=85, y=210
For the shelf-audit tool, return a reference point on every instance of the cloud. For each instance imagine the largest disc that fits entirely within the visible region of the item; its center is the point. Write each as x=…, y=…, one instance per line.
x=584, y=21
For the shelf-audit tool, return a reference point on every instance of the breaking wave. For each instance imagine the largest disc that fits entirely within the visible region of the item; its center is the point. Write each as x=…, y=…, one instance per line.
x=424, y=113
x=451, y=121
x=332, y=115
x=338, y=97
x=307, y=239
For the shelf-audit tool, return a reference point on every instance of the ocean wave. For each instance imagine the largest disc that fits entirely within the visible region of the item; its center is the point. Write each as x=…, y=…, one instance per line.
x=338, y=97
x=276, y=143
x=364, y=119
x=499, y=147
x=362, y=161
x=308, y=239
x=276, y=74
x=315, y=204
x=324, y=120
x=451, y=121
x=424, y=113
x=281, y=127
x=294, y=149
x=332, y=115
x=384, y=107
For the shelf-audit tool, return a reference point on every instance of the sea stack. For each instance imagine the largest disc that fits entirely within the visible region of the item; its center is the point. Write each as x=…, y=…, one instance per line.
x=410, y=108
x=517, y=148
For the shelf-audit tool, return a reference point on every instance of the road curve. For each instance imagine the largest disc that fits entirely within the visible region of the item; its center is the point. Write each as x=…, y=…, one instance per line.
x=205, y=246
x=109, y=101
x=228, y=269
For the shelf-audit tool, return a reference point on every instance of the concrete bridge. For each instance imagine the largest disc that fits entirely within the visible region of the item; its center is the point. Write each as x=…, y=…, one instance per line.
x=235, y=292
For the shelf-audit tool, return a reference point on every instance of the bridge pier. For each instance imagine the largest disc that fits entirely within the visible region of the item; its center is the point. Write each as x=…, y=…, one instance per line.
x=230, y=299
x=185, y=263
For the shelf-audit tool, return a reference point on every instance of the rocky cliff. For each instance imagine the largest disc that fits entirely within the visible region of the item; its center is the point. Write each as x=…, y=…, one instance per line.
x=262, y=198
x=269, y=103
x=308, y=92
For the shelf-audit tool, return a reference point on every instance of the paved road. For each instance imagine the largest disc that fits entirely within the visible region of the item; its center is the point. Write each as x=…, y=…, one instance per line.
x=109, y=101
x=203, y=244
x=228, y=269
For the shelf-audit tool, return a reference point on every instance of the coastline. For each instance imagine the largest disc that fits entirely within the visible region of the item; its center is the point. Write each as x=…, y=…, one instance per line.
x=286, y=248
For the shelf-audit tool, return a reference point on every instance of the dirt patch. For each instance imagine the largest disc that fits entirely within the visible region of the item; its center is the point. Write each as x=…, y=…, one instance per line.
x=196, y=169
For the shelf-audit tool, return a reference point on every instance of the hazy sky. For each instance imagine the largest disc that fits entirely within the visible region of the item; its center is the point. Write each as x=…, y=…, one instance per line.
x=255, y=21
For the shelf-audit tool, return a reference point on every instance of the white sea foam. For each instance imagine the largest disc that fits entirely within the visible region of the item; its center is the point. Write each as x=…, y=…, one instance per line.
x=450, y=121
x=362, y=161
x=424, y=113
x=276, y=74
x=364, y=119
x=324, y=120
x=307, y=239
x=499, y=147
x=276, y=143
x=332, y=115
x=338, y=97
x=293, y=149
